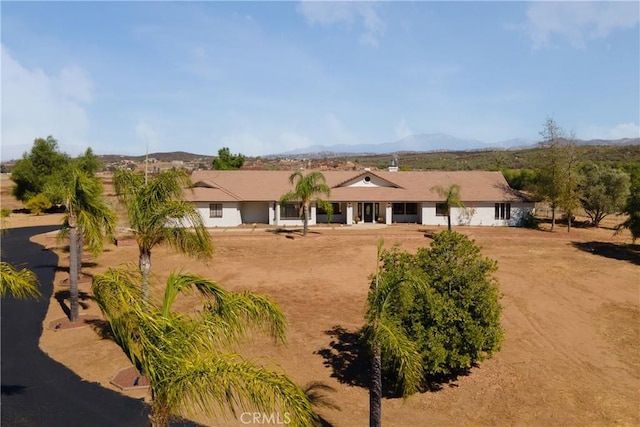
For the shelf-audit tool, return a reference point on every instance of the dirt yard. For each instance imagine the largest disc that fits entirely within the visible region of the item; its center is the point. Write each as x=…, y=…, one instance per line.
x=571, y=315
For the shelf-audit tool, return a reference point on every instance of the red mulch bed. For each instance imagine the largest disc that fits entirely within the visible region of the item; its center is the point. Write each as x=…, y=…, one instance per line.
x=129, y=379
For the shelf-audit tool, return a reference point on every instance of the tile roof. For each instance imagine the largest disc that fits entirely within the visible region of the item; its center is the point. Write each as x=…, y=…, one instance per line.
x=410, y=186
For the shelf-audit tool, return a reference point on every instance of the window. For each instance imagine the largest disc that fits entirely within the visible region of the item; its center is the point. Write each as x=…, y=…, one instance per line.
x=290, y=210
x=405, y=208
x=441, y=209
x=337, y=209
x=215, y=210
x=503, y=211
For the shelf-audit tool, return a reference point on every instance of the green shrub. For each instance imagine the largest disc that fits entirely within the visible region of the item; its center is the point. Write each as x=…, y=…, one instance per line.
x=455, y=321
x=530, y=221
x=5, y=212
x=38, y=204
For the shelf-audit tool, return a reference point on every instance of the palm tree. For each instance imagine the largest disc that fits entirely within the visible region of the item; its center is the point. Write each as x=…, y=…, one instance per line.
x=389, y=293
x=451, y=196
x=306, y=188
x=20, y=284
x=158, y=215
x=189, y=358
x=88, y=219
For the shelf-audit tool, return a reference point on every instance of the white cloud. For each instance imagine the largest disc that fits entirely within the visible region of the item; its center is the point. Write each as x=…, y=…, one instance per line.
x=578, y=21
x=348, y=14
x=37, y=104
x=619, y=131
x=402, y=130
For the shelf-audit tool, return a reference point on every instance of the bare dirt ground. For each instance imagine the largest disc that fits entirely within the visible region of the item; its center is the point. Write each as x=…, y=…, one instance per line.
x=571, y=315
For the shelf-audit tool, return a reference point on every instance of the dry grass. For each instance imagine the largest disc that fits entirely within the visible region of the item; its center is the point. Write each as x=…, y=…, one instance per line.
x=571, y=315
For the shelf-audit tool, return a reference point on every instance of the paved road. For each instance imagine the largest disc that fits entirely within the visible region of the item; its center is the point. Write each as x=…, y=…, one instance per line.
x=36, y=390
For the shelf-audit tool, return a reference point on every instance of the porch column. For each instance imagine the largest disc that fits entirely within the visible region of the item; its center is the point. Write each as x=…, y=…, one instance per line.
x=312, y=215
x=388, y=217
x=277, y=207
x=349, y=219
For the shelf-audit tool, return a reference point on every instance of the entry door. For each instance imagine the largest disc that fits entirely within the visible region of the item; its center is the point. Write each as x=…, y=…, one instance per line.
x=368, y=212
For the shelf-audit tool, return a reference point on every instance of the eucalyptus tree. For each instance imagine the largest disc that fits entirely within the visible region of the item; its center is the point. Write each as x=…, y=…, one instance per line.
x=451, y=196
x=307, y=189
x=20, y=284
x=190, y=358
x=88, y=219
x=390, y=294
x=158, y=215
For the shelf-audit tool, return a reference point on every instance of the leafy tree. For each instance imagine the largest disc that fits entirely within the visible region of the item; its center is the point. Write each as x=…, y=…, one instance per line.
x=307, y=188
x=158, y=215
x=551, y=174
x=519, y=179
x=391, y=293
x=451, y=196
x=632, y=206
x=604, y=191
x=87, y=219
x=455, y=321
x=31, y=173
x=38, y=204
x=569, y=200
x=189, y=358
x=228, y=161
x=20, y=284
x=89, y=162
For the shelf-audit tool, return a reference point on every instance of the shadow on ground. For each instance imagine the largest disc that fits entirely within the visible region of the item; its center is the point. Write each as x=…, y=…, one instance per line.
x=348, y=357
x=63, y=296
x=622, y=252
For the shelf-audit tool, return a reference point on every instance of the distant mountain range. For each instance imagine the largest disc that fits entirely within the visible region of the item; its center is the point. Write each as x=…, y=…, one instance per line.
x=434, y=142
x=413, y=143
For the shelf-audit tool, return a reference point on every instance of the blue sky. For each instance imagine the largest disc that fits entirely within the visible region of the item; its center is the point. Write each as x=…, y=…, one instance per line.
x=269, y=77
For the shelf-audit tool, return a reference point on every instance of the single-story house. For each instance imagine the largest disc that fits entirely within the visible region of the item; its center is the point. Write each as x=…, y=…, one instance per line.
x=232, y=198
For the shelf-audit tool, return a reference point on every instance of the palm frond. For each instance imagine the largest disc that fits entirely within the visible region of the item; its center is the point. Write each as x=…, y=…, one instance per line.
x=398, y=348
x=20, y=284
x=224, y=382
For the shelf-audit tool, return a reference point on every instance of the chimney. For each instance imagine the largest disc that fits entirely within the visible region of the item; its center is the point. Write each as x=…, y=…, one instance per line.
x=394, y=165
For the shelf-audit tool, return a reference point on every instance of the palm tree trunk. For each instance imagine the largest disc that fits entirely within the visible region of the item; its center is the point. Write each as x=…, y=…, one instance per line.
x=553, y=217
x=159, y=412
x=305, y=219
x=375, y=391
x=449, y=220
x=145, y=268
x=80, y=251
x=73, y=270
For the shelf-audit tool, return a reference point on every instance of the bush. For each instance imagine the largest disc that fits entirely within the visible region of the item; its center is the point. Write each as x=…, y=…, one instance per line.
x=530, y=221
x=38, y=204
x=4, y=212
x=455, y=321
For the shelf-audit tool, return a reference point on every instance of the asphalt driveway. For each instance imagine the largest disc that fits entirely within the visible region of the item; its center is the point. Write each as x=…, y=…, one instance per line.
x=36, y=390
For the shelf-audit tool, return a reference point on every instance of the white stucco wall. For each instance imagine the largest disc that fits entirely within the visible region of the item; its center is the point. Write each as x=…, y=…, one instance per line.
x=234, y=214
x=230, y=215
x=475, y=214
